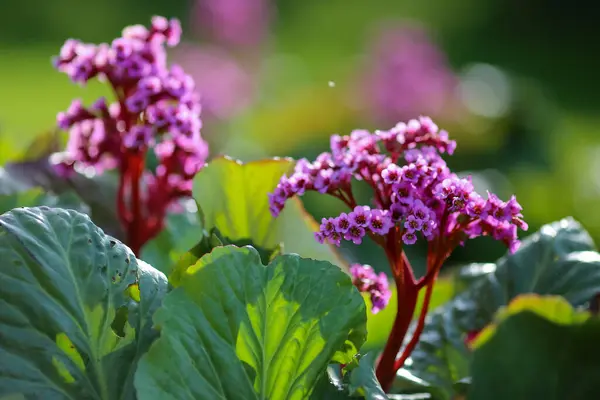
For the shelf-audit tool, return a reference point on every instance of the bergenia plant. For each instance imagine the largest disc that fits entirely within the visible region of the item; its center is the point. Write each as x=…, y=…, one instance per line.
x=415, y=197
x=241, y=316
x=155, y=108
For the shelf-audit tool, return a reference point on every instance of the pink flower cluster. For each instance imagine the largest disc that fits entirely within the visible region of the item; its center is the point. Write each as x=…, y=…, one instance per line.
x=156, y=108
x=367, y=281
x=232, y=22
x=415, y=193
x=407, y=61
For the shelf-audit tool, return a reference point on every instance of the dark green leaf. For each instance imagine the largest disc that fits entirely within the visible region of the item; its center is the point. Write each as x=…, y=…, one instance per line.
x=98, y=193
x=236, y=329
x=540, y=349
x=559, y=259
x=363, y=381
x=330, y=387
x=75, y=306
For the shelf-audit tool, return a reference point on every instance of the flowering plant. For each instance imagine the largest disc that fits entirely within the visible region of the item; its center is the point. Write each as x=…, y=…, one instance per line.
x=421, y=198
x=262, y=306
x=155, y=108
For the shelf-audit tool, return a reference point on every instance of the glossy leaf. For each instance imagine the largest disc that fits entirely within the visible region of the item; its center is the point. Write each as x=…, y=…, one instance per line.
x=233, y=198
x=331, y=387
x=71, y=322
x=539, y=348
x=236, y=329
x=363, y=381
x=559, y=259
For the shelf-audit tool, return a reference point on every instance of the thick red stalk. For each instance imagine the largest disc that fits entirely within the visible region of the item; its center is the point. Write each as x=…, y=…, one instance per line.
x=407, y=295
x=419, y=328
x=407, y=301
x=136, y=228
x=407, y=288
x=131, y=215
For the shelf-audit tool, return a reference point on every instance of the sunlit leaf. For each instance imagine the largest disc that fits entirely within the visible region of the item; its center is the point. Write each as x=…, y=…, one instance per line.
x=237, y=329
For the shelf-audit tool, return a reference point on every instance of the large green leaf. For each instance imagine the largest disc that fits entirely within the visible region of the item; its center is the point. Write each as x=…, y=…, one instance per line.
x=236, y=329
x=539, y=348
x=233, y=197
x=559, y=259
x=74, y=306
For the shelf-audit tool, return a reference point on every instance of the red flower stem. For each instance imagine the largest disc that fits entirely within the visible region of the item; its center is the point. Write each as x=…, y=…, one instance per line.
x=135, y=230
x=428, y=277
x=122, y=211
x=407, y=295
x=419, y=329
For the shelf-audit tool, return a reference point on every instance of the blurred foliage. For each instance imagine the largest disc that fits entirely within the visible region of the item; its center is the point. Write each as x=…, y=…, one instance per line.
x=544, y=147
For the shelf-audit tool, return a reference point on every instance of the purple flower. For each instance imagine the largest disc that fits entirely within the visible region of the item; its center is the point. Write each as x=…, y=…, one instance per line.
x=323, y=180
x=403, y=194
x=299, y=183
x=476, y=207
x=360, y=216
x=380, y=222
x=319, y=237
x=391, y=174
x=355, y=233
x=428, y=229
x=139, y=136
x=413, y=224
x=338, y=143
x=342, y=223
x=327, y=226
x=377, y=286
x=380, y=293
x=444, y=189
x=420, y=211
x=397, y=211
x=150, y=85
x=137, y=102
x=334, y=238
x=409, y=238
x=497, y=208
x=410, y=173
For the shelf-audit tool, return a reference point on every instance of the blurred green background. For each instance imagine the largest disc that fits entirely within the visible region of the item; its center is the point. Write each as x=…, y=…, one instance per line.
x=522, y=101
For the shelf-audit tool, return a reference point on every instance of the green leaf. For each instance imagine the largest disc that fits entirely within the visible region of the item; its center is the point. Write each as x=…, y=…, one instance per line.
x=97, y=193
x=363, y=381
x=71, y=322
x=236, y=329
x=558, y=260
x=18, y=193
x=330, y=387
x=181, y=232
x=233, y=198
x=208, y=242
x=539, y=348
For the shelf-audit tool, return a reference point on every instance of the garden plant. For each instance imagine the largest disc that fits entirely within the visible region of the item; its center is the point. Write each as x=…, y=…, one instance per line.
x=136, y=266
